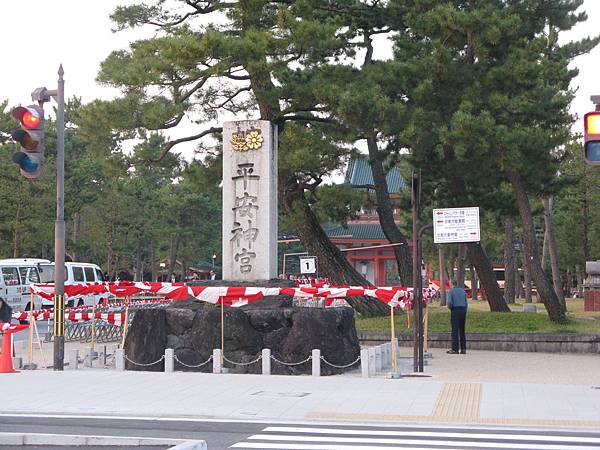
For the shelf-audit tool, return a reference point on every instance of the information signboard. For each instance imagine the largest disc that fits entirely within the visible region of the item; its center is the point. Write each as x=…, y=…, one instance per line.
x=455, y=225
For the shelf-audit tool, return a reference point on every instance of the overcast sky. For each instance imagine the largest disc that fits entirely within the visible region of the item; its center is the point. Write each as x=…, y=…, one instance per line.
x=38, y=35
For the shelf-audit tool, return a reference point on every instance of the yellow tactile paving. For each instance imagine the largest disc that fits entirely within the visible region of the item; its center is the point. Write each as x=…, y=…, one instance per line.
x=459, y=401
x=488, y=420
x=456, y=403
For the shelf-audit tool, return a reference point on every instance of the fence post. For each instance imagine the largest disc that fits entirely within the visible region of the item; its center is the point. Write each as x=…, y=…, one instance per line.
x=120, y=359
x=372, y=367
x=89, y=356
x=74, y=359
x=169, y=360
x=316, y=363
x=364, y=362
x=266, y=361
x=378, y=365
x=217, y=360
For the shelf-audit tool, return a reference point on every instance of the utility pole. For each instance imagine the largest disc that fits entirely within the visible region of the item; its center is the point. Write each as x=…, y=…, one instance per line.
x=59, y=230
x=417, y=277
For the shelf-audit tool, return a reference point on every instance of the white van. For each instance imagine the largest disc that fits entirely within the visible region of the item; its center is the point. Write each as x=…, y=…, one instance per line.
x=75, y=272
x=16, y=275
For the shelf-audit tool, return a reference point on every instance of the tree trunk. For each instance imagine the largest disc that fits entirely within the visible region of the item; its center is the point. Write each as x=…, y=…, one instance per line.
x=556, y=281
x=76, y=229
x=109, y=255
x=460, y=265
x=509, y=260
x=331, y=261
x=545, y=249
x=579, y=280
x=174, y=248
x=386, y=215
x=474, y=283
x=485, y=272
x=586, y=219
x=556, y=312
x=519, y=289
x=17, y=241
x=489, y=285
x=442, y=275
x=153, y=269
x=527, y=276
x=138, y=263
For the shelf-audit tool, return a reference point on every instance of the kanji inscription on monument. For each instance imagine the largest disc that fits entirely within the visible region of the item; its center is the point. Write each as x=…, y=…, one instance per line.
x=249, y=200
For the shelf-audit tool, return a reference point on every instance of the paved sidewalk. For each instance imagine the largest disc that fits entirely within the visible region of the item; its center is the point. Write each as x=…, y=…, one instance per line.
x=491, y=388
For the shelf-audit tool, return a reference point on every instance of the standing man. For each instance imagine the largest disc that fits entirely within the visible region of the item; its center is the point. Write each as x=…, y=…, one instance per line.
x=456, y=300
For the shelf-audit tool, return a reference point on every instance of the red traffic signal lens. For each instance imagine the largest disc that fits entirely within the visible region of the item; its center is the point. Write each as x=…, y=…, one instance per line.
x=592, y=123
x=31, y=119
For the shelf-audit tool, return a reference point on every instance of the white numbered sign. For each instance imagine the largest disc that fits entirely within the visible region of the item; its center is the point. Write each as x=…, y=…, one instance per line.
x=308, y=265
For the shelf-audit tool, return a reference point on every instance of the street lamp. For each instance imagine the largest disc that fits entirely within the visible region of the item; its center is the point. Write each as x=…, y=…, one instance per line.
x=213, y=258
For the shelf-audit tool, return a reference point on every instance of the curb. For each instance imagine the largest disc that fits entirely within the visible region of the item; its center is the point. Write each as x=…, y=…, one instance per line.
x=79, y=440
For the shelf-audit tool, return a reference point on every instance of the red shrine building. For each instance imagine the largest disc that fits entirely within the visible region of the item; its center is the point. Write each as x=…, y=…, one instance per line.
x=362, y=240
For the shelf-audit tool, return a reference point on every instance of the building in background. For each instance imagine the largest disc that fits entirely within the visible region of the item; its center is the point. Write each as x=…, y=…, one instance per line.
x=363, y=240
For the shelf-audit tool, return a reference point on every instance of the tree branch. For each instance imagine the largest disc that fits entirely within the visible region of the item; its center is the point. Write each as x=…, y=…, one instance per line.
x=169, y=145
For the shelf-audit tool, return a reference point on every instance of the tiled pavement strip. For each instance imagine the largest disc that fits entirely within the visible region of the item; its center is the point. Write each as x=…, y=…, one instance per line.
x=485, y=388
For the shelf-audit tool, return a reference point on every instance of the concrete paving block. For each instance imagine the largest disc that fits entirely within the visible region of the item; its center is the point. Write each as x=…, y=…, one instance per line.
x=54, y=439
x=112, y=441
x=12, y=439
x=191, y=445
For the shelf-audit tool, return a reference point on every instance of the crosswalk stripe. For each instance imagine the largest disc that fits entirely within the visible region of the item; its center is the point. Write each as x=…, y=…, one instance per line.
x=441, y=434
x=429, y=442
x=321, y=446
x=288, y=446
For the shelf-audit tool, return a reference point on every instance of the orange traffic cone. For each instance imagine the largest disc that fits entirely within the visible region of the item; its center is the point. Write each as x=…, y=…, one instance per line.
x=6, y=365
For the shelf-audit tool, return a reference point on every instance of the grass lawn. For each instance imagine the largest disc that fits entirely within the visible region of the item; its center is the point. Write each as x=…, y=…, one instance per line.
x=481, y=320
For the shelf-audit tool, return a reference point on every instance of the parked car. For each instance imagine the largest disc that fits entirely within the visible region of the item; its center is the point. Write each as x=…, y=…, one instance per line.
x=75, y=272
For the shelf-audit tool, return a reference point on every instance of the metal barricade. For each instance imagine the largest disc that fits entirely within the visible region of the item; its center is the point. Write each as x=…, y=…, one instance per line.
x=107, y=332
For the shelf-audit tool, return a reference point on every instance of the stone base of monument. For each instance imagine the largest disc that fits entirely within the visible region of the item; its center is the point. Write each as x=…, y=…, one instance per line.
x=193, y=329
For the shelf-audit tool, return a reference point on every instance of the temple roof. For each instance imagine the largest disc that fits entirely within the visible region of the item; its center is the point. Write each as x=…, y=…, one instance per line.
x=359, y=175
x=357, y=231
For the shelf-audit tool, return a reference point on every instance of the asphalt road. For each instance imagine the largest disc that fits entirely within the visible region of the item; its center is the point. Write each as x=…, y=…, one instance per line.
x=306, y=436
x=218, y=435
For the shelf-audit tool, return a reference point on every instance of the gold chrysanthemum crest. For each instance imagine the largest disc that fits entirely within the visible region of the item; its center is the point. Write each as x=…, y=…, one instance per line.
x=243, y=141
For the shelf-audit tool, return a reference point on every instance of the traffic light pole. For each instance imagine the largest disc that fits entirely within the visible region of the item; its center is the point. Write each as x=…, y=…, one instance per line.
x=59, y=230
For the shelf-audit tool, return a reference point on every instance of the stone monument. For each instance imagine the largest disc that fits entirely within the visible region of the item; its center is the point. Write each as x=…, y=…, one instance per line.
x=249, y=200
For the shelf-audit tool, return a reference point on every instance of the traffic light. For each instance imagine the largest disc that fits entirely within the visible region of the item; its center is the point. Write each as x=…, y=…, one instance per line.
x=31, y=138
x=592, y=137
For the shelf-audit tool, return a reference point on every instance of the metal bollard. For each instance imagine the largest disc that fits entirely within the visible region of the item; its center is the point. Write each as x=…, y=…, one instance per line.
x=364, y=362
x=103, y=359
x=120, y=359
x=217, y=360
x=169, y=360
x=316, y=363
x=266, y=361
x=73, y=359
